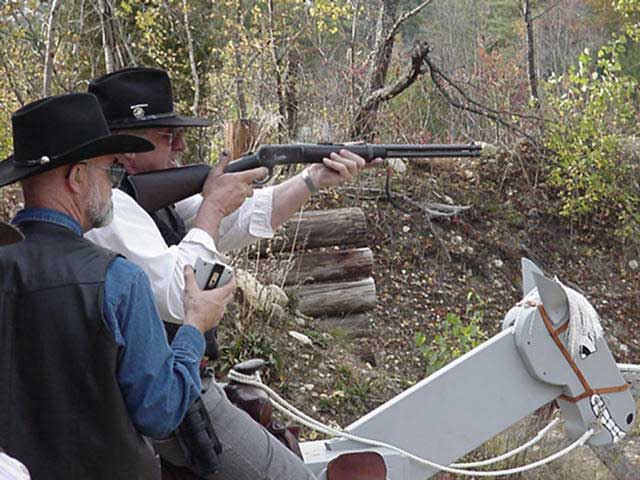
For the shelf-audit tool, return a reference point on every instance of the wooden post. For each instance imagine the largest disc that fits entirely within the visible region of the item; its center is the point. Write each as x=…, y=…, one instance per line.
x=332, y=265
x=240, y=137
x=320, y=228
x=335, y=298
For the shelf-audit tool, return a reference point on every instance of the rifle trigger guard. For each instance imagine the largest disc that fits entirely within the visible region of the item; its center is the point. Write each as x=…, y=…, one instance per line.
x=266, y=179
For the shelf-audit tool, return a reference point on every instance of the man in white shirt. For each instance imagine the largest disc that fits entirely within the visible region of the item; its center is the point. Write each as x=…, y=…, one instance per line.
x=228, y=214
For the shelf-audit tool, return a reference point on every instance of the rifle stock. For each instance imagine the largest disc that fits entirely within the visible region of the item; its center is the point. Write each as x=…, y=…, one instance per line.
x=159, y=189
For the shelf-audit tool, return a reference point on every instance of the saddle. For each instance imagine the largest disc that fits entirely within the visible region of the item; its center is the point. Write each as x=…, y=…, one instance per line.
x=257, y=404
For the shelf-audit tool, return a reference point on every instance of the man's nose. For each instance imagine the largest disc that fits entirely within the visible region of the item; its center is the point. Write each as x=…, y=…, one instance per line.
x=179, y=145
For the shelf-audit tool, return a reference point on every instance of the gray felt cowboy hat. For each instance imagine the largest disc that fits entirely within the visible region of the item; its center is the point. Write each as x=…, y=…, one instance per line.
x=140, y=98
x=56, y=131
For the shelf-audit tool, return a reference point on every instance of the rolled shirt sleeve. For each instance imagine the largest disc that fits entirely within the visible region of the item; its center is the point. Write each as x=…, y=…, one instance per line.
x=134, y=234
x=158, y=382
x=251, y=222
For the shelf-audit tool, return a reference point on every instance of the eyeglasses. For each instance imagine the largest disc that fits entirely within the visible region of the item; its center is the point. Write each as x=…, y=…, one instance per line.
x=173, y=135
x=116, y=172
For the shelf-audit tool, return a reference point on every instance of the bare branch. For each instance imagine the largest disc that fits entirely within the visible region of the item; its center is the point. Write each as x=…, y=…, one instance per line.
x=403, y=18
x=547, y=10
x=418, y=56
x=105, y=12
x=192, y=58
x=469, y=104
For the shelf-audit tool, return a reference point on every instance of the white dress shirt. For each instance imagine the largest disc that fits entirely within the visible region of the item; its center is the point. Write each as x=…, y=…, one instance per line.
x=134, y=234
x=12, y=469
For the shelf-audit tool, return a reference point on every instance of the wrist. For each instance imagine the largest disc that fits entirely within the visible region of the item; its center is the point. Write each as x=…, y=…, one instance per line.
x=208, y=219
x=309, y=182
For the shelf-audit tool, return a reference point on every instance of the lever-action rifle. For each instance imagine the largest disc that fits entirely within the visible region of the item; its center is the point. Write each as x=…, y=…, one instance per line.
x=159, y=189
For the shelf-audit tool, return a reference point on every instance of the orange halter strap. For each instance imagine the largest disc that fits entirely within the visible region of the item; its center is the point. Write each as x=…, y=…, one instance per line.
x=588, y=391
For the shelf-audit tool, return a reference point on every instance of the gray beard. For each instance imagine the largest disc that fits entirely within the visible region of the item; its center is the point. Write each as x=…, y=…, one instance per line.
x=100, y=215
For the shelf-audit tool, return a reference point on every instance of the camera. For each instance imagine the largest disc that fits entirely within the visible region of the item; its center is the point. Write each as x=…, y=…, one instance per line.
x=210, y=275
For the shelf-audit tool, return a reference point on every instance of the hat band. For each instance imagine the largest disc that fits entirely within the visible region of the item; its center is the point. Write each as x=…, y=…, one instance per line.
x=43, y=160
x=157, y=116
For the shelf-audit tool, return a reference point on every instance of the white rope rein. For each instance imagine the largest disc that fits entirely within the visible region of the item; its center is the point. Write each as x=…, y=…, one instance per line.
x=300, y=417
x=539, y=436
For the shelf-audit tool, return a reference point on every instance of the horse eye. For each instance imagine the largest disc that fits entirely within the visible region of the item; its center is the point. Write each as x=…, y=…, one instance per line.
x=584, y=352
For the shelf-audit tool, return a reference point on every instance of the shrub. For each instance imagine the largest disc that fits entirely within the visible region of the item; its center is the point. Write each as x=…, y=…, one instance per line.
x=454, y=337
x=589, y=121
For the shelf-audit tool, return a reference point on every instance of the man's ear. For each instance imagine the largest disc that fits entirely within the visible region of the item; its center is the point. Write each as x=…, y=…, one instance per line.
x=128, y=160
x=76, y=178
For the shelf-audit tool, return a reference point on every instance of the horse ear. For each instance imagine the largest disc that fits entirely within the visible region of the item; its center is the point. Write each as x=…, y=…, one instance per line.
x=553, y=298
x=528, y=269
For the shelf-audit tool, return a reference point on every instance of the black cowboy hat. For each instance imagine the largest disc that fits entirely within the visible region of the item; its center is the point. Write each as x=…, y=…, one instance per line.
x=139, y=98
x=9, y=234
x=60, y=130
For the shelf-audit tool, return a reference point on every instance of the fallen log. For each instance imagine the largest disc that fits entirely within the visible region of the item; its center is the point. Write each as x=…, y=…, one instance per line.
x=321, y=228
x=333, y=265
x=351, y=326
x=334, y=298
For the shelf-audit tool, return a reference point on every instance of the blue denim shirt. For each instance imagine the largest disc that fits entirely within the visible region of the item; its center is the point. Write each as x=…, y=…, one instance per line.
x=158, y=382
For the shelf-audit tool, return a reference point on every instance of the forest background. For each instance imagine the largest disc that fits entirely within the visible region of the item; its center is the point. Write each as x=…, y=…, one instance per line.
x=549, y=86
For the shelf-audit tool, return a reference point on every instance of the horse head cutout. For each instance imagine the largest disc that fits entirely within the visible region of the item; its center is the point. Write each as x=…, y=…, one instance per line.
x=593, y=393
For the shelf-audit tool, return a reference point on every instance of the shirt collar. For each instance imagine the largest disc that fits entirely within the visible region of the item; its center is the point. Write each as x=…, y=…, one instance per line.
x=49, y=216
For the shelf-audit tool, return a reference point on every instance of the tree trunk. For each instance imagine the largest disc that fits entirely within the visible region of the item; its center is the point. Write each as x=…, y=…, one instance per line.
x=531, y=65
x=239, y=73
x=192, y=58
x=108, y=43
x=240, y=137
x=322, y=228
x=333, y=265
x=364, y=122
x=49, y=51
x=335, y=298
x=290, y=93
x=277, y=69
x=355, y=325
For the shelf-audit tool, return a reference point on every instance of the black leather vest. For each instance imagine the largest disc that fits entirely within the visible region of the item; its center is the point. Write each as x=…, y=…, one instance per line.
x=61, y=410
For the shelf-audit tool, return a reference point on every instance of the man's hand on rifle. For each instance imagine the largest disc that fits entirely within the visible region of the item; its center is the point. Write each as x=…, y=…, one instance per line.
x=340, y=168
x=224, y=193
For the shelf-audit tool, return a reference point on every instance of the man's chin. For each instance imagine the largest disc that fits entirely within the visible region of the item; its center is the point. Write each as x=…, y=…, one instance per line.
x=104, y=219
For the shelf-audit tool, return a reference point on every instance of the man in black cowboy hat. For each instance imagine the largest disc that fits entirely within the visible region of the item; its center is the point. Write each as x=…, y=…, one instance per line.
x=231, y=215
x=85, y=368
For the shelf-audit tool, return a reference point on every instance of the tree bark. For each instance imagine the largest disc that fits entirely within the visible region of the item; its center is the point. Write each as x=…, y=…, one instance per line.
x=374, y=91
x=49, y=51
x=377, y=72
x=322, y=228
x=239, y=72
x=290, y=93
x=531, y=64
x=240, y=137
x=192, y=58
x=332, y=265
x=277, y=68
x=107, y=35
x=354, y=325
x=335, y=298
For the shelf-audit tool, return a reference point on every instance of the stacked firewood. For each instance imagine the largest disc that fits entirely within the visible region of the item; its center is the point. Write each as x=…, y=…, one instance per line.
x=328, y=266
